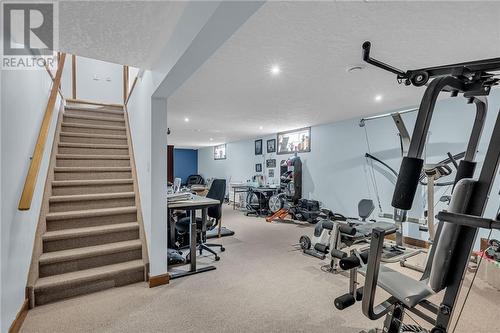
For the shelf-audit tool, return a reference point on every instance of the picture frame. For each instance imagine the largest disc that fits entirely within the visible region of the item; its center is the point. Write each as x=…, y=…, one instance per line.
x=271, y=146
x=258, y=167
x=271, y=163
x=220, y=152
x=270, y=173
x=294, y=141
x=258, y=147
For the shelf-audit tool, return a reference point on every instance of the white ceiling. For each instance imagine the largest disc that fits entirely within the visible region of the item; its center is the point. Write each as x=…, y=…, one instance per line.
x=233, y=93
x=124, y=32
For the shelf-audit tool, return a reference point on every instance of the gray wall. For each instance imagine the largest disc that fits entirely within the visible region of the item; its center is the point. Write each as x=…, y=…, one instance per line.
x=335, y=171
x=24, y=97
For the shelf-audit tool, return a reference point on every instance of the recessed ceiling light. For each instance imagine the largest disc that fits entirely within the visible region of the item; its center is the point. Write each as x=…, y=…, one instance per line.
x=186, y=119
x=261, y=127
x=211, y=139
x=378, y=98
x=275, y=69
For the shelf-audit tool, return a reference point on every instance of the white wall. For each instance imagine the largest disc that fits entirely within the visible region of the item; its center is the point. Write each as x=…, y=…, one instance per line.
x=139, y=112
x=24, y=95
x=335, y=171
x=96, y=80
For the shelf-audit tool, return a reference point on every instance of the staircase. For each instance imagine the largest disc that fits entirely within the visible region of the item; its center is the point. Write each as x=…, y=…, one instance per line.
x=90, y=236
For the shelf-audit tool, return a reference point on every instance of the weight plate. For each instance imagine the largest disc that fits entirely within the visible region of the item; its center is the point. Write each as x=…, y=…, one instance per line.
x=305, y=243
x=275, y=203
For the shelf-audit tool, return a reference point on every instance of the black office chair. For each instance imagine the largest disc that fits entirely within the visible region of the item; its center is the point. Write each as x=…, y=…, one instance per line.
x=194, y=180
x=217, y=191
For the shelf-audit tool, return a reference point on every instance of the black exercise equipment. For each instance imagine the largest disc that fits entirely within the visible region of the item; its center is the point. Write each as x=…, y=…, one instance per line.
x=291, y=179
x=335, y=232
x=457, y=228
x=306, y=210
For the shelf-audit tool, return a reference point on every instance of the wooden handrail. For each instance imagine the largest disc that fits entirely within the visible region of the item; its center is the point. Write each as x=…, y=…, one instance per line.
x=53, y=78
x=36, y=160
x=125, y=83
x=73, y=76
x=83, y=101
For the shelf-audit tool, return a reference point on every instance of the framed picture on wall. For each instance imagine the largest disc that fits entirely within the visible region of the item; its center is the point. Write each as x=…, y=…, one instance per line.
x=271, y=173
x=271, y=163
x=295, y=141
x=258, y=147
x=258, y=167
x=271, y=146
x=220, y=152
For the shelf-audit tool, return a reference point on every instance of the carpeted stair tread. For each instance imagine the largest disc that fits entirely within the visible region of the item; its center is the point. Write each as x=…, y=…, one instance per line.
x=92, y=145
x=80, y=125
x=92, y=135
x=88, y=252
x=82, y=108
x=92, y=169
x=87, y=275
x=90, y=213
x=112, y=119
x=88, y=231
x=92, y=157
x=91, y=182
x=87, y=197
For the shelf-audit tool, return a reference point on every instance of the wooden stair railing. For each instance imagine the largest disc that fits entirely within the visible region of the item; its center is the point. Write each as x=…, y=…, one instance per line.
x=36, y=160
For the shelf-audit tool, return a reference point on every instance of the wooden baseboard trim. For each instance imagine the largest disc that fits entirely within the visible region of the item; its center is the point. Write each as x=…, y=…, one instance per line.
x=410, y=241
x=159, y=280
x=21, y=315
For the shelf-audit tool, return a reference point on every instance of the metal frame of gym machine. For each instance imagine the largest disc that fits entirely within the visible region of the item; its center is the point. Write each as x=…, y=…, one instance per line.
x=473, y=80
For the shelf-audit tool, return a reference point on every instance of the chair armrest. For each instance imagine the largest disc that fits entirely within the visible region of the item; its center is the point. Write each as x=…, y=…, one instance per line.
x=371, y=279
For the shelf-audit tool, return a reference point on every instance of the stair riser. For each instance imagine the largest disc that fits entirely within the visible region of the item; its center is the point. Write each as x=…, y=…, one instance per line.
x=71, y=112
x=87, y=263
x=92, y=189
x=73, y=129
x=92, y=175
x=75, y=139
x=82, y=288
x=90, y=204
x=91, y=163
x=90, y=221
x=72, y=243
x=69, y=119
x=92, y=151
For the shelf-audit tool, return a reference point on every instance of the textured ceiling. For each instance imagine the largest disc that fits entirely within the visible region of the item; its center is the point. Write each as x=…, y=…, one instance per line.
x=233, y=93
x=124, y=32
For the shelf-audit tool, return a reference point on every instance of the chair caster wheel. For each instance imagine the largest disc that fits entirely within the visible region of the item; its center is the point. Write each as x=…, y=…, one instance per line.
x=222, y=249
x=217, y=258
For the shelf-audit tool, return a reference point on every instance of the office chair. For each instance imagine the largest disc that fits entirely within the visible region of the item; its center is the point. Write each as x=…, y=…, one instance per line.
x=217, y=191
x=194, y=180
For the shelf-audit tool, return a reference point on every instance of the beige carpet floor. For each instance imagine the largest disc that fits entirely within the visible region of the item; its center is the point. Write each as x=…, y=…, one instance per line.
x=261, y=285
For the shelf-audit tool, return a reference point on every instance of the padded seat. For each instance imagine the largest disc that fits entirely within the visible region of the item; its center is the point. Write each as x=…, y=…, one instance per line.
x=364, y=230
x=407, y=290
x=183, y=224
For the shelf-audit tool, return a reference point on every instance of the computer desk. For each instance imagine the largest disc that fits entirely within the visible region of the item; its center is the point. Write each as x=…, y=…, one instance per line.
x=191, y=206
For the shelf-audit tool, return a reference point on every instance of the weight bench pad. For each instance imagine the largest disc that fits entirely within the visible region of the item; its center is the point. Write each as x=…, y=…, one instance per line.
x=364, y=230
x=406, y=289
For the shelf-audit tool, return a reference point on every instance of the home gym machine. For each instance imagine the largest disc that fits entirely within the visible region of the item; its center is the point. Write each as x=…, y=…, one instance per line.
x=457, y=227
x=399, y=251
x=290, y=189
